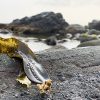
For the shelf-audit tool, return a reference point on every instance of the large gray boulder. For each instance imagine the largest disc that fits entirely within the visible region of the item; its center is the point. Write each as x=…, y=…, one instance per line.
x=95, y=24
x=93, y=31
x=75, y=74
x=75, y=28
x=46, y=23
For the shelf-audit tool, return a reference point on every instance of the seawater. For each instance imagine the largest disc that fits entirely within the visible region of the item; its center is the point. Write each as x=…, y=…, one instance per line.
x=39, y=46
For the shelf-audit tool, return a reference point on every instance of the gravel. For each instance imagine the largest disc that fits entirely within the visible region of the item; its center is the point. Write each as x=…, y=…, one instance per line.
x=75, y=74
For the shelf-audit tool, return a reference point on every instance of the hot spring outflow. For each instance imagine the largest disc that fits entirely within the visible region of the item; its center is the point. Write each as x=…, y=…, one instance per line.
x=32, y=69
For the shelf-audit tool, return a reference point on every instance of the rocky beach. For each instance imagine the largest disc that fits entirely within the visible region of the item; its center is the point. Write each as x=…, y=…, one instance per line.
x=75, y=74
x=69, y=53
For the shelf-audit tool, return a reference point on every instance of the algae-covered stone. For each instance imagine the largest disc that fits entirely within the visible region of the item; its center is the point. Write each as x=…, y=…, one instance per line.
x=90, y=43
x=86, y=37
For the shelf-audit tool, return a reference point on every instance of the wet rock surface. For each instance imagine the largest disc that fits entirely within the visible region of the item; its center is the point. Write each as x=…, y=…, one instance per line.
x=75, y=74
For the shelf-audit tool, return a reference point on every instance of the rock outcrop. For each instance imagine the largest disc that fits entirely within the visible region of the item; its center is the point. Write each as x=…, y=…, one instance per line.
x=93, y=31
x=46, y=23
x=95, y=24
x=75, y=28
x=75, y=74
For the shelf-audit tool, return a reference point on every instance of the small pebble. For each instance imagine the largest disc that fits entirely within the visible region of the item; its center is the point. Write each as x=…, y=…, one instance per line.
x=2, y=91
x=16, y=95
